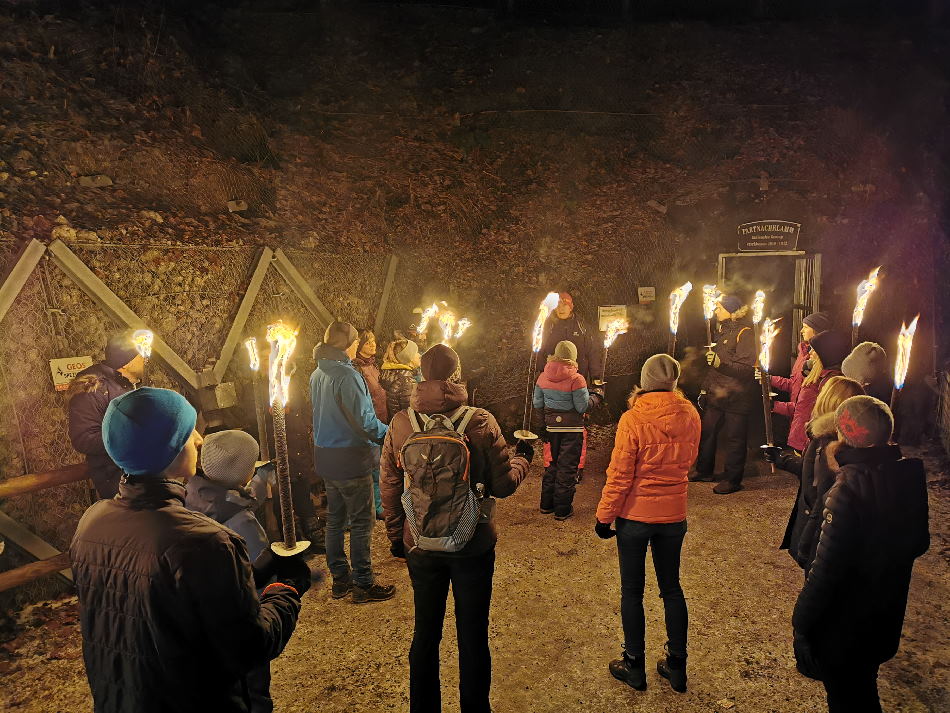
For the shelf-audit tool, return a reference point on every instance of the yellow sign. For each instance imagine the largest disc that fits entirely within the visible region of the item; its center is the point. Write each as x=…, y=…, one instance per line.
x=65, y=370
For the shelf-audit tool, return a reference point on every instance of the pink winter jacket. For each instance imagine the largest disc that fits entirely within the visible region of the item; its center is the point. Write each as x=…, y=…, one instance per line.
x=802, y=408
x=793, y=386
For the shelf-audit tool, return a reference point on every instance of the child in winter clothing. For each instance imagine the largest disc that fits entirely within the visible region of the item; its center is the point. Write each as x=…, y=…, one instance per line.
x=561, y=394
x=400, y=373
x=221, y=492
x=849, y=615
x=645, y=495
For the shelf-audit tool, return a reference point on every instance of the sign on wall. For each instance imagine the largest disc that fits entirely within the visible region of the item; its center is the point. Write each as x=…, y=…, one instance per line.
x=646, y=295
x=608, y=313
x=65, y=370
x=768, y=235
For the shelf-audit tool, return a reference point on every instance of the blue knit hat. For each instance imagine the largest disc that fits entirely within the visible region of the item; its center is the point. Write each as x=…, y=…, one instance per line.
x=730, y=303
x=145, y=430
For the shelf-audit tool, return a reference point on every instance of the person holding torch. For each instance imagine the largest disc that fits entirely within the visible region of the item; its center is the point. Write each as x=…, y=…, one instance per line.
x=731, y=395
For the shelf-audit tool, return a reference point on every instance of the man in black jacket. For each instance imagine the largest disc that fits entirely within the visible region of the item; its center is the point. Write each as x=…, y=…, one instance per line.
x=849, y=615
x=730, y=396
x=171, y=620
x=87, y=399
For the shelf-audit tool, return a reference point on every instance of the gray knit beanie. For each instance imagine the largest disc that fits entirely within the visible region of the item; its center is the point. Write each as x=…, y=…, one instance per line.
x=408, y=353
x=340, y=335
x=565, y=350
x=864, y=421
x=659, y=373
x=228, y=458
x=866, y=363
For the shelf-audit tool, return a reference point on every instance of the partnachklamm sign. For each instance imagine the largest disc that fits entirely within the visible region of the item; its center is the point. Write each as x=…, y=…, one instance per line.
x=767, y=235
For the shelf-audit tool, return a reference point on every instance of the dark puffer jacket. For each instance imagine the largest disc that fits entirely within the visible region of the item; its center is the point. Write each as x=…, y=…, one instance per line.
x=89, y=396
x=731, y=386
x=398, y=380
x=490, y=463
x=572, y=329
x=171, y=622
x=815, y=478
x=875, y=525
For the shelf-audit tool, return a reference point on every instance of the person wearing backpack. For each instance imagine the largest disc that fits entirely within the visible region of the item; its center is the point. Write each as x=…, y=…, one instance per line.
x=448, y=536
x=345, y=435
x=561, y=394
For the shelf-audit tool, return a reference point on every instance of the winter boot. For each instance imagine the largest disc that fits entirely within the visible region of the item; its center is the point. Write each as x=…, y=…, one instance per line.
x=673, y=669
x=564, y=514
x=631, y=670
x=341, y=587
x=374, y=593
x=726, y=487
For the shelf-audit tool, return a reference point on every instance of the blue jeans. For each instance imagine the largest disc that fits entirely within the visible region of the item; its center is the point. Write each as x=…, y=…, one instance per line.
x=352, y=500
x=666, y=541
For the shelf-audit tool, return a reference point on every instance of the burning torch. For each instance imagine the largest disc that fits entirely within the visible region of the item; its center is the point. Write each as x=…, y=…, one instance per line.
x=769, y=330
x=677, y=298
x=615, y=328
x=711, y=295
x=255, y=364
x=865, y=288
x=143, y=338
x=537, y=337
x=282, y=340
x=905, y=341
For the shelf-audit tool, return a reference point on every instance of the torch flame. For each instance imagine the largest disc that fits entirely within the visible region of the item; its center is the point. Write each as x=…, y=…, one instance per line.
x=904, y=343
x=865, y=288
x=614, y=329
x=447, y=325
x=460, y=328
x=251, y=344
x=143, y=339
x=283, y=340
x=427, y=314
x=547, y=306
x=769, y=332
x=677, y=297
x=711, y=295
x=758, y=307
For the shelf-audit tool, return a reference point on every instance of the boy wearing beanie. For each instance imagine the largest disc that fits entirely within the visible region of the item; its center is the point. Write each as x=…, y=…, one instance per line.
x=159, y=584
x=86, y=402
x=848, y=617
x=867, y=364
x=346, y=436
x=561, y=395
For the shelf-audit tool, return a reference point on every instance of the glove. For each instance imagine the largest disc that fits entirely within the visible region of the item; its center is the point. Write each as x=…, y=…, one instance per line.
x=598, y=395
x=771, y=453
x=604, y=531
x=398, y=550
x=293, y=571
x=804, y=659
x=525, y=450
x=263, y=568
x=713, y=359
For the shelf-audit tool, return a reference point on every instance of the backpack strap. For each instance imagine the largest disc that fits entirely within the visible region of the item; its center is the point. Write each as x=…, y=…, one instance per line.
x=463, y=424
x=413, y=420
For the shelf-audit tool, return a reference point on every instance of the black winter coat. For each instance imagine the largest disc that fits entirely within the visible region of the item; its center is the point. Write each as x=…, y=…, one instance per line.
x=89, y=395
x=589, y=364
x=171, y=622
x=815, y=478
x=731, y=386
x=875, y=525
x=398, y=384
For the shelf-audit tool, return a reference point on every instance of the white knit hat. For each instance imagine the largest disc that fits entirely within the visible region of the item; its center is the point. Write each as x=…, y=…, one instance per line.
x=228, y=457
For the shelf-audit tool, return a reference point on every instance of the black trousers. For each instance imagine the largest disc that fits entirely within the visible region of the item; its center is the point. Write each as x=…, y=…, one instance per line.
x=560, y=477
x=471, y=580
x=731, y=428
x=666, y=541
x=852, y=689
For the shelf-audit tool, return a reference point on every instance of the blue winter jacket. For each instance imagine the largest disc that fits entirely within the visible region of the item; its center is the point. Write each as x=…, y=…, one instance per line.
x=345, y=427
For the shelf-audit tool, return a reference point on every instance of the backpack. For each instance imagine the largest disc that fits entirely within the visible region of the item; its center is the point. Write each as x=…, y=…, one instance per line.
x=441, y=507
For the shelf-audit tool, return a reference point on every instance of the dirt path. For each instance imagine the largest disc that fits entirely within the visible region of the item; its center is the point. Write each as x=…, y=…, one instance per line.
x=556, y=623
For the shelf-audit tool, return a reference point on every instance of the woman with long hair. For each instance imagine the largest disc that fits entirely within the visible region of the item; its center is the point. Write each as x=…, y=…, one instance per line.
x=645, y=496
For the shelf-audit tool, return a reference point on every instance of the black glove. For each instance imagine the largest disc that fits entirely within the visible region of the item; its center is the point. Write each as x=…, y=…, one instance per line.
x=263, y=568
x=597, y=395
x=398, y=550
x=525, y=450
x=771, y=453
x=604, y=531
x=804, y=659
x=294, y=572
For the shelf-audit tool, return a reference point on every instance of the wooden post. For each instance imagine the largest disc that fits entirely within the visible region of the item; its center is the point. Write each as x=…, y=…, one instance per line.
x=14, y=280
x=33, y=571
x=391, y=264
x=31, y=482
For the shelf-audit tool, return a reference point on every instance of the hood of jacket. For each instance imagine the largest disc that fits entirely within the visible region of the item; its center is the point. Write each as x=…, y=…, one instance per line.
x=558, y=371
x=822, y=426
x=214, y=500
x=663, y=409
x=324, y=352
x=438, y=396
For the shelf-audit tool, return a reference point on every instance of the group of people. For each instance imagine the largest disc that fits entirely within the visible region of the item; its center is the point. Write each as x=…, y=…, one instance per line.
x=176, y=562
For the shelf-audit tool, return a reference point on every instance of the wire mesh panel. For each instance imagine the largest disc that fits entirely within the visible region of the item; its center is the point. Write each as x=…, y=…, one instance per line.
x=349, y=285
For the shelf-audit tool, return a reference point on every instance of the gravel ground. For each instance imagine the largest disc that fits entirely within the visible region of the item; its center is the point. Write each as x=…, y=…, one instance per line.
x=556, y=622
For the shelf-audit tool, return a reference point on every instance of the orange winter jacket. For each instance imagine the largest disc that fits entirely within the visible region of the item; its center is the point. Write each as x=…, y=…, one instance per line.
x=656, y=444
